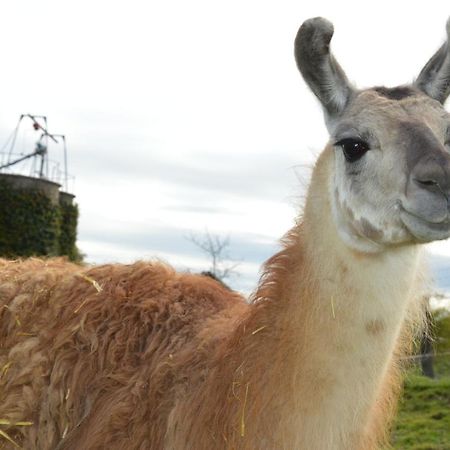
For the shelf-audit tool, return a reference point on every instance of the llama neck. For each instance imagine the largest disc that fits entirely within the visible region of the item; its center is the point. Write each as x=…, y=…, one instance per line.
x=331, y=332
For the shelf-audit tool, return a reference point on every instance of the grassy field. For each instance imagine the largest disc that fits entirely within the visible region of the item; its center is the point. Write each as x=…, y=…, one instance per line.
x=423, y=421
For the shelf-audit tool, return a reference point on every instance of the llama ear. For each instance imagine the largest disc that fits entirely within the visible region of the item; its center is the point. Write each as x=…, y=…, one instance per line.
x=319, y=68
x=434, y=79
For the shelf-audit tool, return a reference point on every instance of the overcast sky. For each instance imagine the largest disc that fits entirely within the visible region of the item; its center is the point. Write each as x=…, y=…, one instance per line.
x=186, y=116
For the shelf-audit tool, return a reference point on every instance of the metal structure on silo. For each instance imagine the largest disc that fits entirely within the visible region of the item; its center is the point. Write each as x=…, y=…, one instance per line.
x=38, y=215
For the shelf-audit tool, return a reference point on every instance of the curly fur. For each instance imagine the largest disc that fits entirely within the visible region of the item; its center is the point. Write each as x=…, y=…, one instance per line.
x=105, y=363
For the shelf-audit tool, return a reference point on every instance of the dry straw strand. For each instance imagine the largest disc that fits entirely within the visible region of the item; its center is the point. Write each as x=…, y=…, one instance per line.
x=8, y=438
x=5, y=368
x=94, y=283
x=258, y=329
x=16, y=424
x=243, y=412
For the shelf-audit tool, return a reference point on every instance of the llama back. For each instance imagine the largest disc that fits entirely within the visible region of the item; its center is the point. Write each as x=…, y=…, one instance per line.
x=100, y=352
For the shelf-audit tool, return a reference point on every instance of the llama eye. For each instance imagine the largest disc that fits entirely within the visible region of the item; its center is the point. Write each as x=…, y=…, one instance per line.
x=353, y=149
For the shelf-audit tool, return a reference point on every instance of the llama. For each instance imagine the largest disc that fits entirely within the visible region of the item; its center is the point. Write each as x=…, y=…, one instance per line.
x=141, y=357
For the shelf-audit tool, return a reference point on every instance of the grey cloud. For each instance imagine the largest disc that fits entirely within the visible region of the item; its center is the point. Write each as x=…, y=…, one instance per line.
x=104, y=150
x=261, y=177
x=244, y=247
x=196, y=209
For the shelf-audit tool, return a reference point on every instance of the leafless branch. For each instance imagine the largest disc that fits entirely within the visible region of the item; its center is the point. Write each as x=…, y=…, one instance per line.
x=215, y=247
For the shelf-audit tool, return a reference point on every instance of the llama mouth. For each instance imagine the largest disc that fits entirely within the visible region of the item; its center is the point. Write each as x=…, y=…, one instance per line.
x=422, y=229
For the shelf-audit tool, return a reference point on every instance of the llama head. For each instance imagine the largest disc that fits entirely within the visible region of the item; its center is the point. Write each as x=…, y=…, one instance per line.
x=391, y=147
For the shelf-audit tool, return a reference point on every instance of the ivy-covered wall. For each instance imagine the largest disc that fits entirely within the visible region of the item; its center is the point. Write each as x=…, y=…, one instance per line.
x=68, y=231
x=32, y=225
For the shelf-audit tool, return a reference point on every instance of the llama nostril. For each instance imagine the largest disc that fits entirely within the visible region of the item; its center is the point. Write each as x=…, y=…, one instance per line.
x=432, y=186
x=426, y=183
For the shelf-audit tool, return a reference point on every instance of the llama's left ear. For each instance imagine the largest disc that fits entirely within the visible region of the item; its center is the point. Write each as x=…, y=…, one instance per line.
x=434, y=79
x=319, y=68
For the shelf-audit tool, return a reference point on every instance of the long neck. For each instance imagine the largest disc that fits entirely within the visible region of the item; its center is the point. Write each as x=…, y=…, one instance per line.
x=322, y=334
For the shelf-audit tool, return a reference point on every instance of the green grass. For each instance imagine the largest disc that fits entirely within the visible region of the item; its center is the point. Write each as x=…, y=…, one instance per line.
x=423, y=421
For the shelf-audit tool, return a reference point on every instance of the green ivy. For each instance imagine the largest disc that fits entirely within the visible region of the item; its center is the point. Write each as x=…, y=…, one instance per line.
x=68, y=231
x=30, y=225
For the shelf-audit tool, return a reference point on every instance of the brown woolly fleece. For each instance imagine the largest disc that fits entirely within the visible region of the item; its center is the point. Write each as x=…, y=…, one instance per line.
x=96, y=358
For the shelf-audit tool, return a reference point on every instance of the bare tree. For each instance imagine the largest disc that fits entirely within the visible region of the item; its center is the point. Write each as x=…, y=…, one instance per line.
x=216, y=248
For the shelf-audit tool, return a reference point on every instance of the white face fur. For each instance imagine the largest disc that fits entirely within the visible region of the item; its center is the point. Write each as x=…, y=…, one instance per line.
x=391, y=183
x=373, y=188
